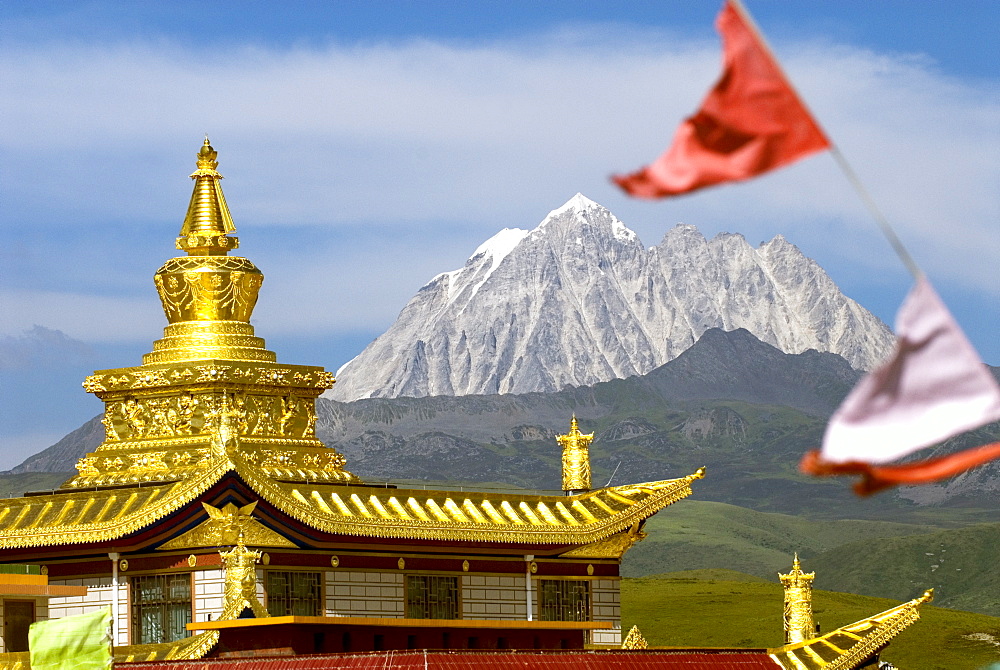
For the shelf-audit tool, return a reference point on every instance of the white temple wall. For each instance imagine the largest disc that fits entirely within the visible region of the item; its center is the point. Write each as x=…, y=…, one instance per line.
x=605, y=605
x=371, y=594
x=493, y=597
x=100, y=594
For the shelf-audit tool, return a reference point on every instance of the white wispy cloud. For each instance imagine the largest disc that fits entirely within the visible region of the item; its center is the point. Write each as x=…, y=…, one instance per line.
x=40, y=347
x=366, y=140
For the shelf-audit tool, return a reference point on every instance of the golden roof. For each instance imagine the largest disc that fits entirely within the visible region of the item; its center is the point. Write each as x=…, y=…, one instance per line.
x=82, y=517
x=846, y=647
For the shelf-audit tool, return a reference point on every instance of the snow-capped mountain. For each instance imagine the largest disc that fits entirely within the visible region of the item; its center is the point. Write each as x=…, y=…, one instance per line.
x=579, y=300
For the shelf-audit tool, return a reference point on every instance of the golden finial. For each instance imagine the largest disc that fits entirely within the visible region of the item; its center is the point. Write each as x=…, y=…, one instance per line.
x=575, y=458
x=207, y=156
x=634, y=639
x=928, y=596
x=207, y=222
x=241, y=583
x=798, y=616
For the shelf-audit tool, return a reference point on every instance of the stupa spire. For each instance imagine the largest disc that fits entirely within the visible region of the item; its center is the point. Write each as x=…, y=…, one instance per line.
x=209, y=394
x=208, y=221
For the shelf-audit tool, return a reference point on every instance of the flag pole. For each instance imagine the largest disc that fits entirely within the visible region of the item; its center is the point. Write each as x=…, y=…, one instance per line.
x=876, y=213
x=838, y=156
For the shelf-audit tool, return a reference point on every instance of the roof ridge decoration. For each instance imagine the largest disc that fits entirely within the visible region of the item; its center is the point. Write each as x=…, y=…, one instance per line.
x=846, y=647
x=575, y=458
x=241, y=583
x=634, y=639
x=209, y=386
x=229, y=525
x=798, y=614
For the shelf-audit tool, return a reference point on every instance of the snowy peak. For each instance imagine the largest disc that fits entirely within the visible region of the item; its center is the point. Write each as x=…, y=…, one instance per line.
x=501, y=244
x=578, y=300
x=582, y=211
x=578, y=203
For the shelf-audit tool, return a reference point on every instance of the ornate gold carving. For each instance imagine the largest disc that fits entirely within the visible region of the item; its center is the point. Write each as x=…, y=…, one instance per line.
x=208, y=288
x=798, y=616
x=465, y=566
x=229, y=525
x=334, y=561
x=87, y=467
x=241, y=583
x=575, y=458
x=192, y=561
x=92, y=384
x=266, y=559
x=401, y=564
x=533, y=567
x=123, y=565
x=634, y=640
x=180, y=374
x=611, y=547
x=590, y=569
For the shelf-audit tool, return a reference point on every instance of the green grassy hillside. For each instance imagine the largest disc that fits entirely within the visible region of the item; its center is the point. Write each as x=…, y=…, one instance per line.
x=961, y=564
x=700, y=534
x=712, y=608
x=873, y=558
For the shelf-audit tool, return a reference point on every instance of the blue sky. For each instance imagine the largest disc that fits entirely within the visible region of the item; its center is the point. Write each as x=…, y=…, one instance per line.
x=369, y=146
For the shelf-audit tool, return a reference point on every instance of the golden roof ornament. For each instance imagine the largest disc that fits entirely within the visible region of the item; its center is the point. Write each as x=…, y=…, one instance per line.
x=241, y=584
x=205, y=228
x=210, y=391
x=634, y=639
x=575, y=458
x=798, y=614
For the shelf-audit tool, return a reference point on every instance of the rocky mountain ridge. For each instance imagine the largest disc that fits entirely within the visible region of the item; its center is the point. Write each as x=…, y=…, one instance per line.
x=580, y=300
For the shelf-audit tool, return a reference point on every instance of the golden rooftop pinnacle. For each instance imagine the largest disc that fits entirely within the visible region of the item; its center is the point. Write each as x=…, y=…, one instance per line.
x=210, y=389
x=575, y=458
x=205, y=228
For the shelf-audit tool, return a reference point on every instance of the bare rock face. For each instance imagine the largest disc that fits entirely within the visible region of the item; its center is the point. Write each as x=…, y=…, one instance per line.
x=579, y=300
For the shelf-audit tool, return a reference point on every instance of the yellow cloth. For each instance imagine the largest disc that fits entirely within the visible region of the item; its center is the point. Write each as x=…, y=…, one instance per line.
x=81, y=642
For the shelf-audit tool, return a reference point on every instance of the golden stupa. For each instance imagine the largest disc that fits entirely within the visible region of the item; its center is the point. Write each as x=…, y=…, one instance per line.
x=210, y=390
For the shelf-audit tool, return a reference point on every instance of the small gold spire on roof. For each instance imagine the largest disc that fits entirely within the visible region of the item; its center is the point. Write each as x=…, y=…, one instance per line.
x=634, y=640
x=799, y=625
x=205, y=228
x=575, y=458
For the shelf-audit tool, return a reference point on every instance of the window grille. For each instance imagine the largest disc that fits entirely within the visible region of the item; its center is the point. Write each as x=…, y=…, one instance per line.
x=564, y=600
x=431, y=597
x=294, y=593
x=161, y=607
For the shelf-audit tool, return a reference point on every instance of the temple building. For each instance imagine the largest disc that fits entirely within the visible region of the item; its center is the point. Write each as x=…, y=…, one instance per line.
x=213, y=522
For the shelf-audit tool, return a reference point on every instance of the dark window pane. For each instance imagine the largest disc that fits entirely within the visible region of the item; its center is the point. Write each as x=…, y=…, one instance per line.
x=431, y=597
x=563, y=600
x=294, y=593
x=161, y=608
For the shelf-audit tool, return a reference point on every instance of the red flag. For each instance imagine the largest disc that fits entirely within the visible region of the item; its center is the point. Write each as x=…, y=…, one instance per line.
x=933, y=387
x=751, y=122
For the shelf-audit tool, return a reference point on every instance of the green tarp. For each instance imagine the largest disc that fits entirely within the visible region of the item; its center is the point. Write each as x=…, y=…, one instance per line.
x=81, y=642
